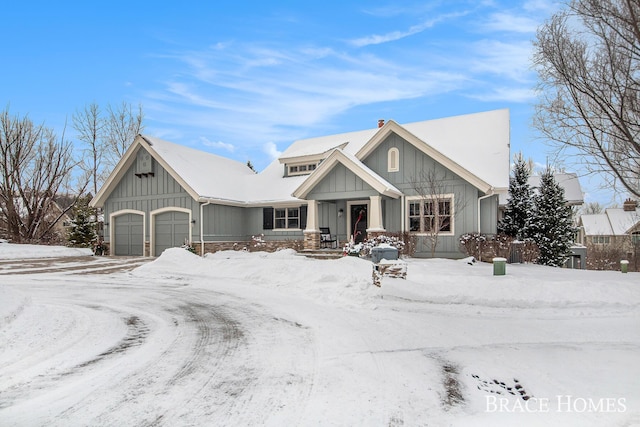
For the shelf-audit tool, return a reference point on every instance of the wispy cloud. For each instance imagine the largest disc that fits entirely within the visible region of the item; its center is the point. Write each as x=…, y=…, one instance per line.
x=271, y=150
x=400, y=34
x=509, y=22
x=217, y=144
x=239, y=93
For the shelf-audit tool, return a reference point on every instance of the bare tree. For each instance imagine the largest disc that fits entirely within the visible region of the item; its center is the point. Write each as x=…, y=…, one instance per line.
x=90, y=126
x=34, y=165
x=434, y=213
x=588, y=62
x=121, y=128
x=592, y=208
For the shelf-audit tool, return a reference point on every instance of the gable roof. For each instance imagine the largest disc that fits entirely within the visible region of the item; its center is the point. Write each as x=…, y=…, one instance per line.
x=378, y=183
x=201, y=174
x=475, y=146
x=613, y=222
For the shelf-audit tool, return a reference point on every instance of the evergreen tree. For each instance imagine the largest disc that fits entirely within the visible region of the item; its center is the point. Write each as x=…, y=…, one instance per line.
x=552, y=226
x=519, y=209
x=82, y=232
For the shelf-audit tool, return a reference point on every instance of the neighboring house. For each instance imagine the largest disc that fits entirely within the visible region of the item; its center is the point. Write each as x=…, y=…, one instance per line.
x=568, y=181
x=616, y=227
x=357, y=184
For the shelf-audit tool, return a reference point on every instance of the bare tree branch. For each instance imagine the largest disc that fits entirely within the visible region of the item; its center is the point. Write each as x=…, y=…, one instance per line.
x=588, y=62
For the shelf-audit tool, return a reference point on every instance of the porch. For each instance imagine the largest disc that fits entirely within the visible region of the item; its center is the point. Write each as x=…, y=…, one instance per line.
x=347, y=219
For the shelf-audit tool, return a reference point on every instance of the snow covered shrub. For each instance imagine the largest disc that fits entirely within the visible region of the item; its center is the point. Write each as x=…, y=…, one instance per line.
x=472, y=244
x=363, y=249
x=530, y=251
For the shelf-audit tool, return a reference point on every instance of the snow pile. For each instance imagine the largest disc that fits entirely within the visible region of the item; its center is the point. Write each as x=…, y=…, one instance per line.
x=345, y=281
x=348, y=281
x=14, y=251
x=279, y=339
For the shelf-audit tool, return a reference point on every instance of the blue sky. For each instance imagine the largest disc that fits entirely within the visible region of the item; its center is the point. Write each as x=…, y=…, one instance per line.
x=245, y=79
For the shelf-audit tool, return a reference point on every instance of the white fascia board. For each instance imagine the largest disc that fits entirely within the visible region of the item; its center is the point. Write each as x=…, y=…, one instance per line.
x=171, y=171
x=338, y=156
x=310, y=158
x=393, y=127
x=118, y=172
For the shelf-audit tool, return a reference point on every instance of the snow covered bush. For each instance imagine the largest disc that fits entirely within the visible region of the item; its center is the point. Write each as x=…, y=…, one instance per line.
x=363, y=249
x=473, y=244
x=484, y=247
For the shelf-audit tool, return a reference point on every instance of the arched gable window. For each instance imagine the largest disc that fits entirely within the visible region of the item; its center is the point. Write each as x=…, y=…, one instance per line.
x=393, y=160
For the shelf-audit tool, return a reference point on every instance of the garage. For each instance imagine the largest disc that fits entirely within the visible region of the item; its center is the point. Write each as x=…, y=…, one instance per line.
x=171, y=229
x=128, y=234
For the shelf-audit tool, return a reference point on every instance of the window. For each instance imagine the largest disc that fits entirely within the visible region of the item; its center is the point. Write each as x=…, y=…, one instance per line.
x=635, y=237
x=287, y=218
x=602, y=240
x=302, y=169
x=431, y=216
x=393, y=160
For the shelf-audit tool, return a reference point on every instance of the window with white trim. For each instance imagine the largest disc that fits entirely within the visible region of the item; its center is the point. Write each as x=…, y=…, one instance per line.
x=286, y=218
x=302, y=169
x=393, y=160
x=430, y=215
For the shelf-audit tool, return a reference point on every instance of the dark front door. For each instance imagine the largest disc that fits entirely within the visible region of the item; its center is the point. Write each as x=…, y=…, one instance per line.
x=358, y=223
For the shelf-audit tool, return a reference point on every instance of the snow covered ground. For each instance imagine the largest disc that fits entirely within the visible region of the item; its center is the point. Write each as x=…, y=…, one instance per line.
x=278, y=339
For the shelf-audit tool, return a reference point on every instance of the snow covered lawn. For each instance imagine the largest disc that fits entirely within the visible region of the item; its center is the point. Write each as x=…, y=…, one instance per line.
x=277, y=339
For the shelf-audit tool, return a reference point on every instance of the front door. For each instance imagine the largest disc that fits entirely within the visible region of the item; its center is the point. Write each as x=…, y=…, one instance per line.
x=359, y=222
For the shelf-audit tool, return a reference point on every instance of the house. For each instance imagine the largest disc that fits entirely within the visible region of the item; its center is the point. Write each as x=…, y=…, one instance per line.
x=616, y=227
x=358, y=184
x=568, y=181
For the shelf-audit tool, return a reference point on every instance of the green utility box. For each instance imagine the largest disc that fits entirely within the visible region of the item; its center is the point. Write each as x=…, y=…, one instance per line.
x=499, y=266
x=624, y=265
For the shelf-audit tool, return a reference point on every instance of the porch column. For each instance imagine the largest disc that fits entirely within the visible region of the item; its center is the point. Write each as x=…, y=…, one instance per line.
x=312, y=232
x=375, y=215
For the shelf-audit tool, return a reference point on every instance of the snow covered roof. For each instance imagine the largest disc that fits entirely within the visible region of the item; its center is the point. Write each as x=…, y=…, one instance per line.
x=613, y=222
x=208, y=175
x=475, y=146
x=568, y=181
x=360, y=169
x=477, y=143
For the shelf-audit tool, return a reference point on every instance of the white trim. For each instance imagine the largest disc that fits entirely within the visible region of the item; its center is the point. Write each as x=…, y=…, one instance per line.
x=112, y=236
x=376, y=182
x=480, y=199
x=393, y=166
x=410, y=199
x=393, y=127
x=118, y=172
x=152, y=232
x=286, y=218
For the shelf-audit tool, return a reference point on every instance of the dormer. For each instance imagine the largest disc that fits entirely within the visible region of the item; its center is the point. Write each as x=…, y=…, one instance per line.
x=304, y=164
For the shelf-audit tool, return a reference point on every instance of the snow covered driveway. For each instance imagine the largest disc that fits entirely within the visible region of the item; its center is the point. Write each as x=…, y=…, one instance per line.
x=278, y=339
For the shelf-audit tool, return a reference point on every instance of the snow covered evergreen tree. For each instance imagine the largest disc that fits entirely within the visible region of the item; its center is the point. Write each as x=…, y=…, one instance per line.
x=551, y=223
x=519, y=209
x=82, y=232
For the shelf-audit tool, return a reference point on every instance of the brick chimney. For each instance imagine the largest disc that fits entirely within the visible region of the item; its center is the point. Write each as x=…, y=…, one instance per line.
x=380, y=123
x=629, y=205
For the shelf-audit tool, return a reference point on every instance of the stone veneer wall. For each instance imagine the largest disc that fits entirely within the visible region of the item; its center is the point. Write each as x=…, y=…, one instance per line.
x=312, y=241
x=267, y=246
